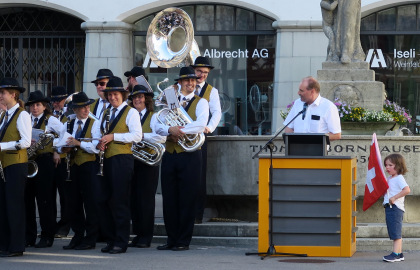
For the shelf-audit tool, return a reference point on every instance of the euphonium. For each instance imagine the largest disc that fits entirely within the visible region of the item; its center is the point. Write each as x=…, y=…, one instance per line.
x=44, y=140
x=148, y=153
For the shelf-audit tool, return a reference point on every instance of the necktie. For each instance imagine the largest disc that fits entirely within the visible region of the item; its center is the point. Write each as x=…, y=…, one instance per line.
x=305, y=107
x=104, y=106
x=113, y=114
x=6, y=118
x=35, y=122
x=141, y=115
x=79, y=129
x=197, y=90
x=185, y=102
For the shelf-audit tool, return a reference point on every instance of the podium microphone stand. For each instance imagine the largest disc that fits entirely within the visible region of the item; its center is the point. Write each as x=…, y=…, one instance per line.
x=272, y=249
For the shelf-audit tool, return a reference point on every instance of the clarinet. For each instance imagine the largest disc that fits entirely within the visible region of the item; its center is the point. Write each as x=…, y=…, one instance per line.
x=102, y=153
x=2, y=172
x=68, y=155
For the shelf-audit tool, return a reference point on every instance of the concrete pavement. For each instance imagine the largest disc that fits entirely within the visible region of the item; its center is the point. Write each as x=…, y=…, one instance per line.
x=198, y=257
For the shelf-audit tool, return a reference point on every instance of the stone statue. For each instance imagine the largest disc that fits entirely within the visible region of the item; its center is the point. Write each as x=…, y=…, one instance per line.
x=345, y=24
x=349, y=95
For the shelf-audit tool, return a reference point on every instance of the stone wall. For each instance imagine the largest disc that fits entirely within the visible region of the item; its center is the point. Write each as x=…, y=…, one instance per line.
x=232, y=173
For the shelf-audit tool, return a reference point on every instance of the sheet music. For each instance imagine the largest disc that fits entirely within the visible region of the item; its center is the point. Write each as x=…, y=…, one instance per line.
x=35, y=133
x=171, y=98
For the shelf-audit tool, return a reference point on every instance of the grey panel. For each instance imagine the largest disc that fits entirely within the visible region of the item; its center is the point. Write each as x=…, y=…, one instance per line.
x=307, y=193
x=306, y=176
x=306, y=225
x=306, y=240
x=306, y=209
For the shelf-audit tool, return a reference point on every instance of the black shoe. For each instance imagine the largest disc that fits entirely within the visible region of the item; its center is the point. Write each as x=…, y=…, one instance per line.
x=30, y=244
x=62, y=231
x=107, y=248
x=142, y=245
x=11, y=254
x=165, y=247
x=133, y=242
x=180, y=248
x=75, y=241
x=84, y=247
x=198, y=221
x=117, y=250
x=44, y=243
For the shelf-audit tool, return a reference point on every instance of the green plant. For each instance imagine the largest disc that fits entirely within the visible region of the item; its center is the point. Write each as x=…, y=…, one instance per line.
x=400, y=114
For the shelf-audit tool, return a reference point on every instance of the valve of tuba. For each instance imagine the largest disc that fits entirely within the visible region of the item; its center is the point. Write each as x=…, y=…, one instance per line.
x=148, y=153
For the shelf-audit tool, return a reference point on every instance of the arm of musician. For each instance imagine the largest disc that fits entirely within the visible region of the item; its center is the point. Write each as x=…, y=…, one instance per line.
x=134, y=133
x=25, y=131
x=153, y=137
x=202, y=113
x=90, y=147
x=215, y=110
x=55, y=126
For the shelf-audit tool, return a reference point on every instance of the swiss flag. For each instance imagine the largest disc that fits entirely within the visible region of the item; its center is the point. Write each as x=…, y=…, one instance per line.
x=376, y=184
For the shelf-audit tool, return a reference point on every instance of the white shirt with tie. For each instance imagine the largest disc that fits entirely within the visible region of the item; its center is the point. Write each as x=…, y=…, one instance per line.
x=132, y=121
x=214, y=105
x=99, y=110
x=24, y=127
x=197, y=126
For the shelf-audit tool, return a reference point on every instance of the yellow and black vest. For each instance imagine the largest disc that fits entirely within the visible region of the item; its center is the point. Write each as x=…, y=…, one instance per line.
x=11, y=133
x=192, y=105
x=80, y=156
x=145, y=122
x=42, y=124
x=118, y=126
x=94, y=106
x=205, y=91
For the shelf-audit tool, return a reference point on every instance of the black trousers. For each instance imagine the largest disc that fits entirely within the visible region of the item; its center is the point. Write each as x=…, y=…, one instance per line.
x=12, y=208
x=114, y=199
x=41, y=189
x=180, y=179
x=143, y=191
x=60, y=185
x=83, y=212
x=202, y=188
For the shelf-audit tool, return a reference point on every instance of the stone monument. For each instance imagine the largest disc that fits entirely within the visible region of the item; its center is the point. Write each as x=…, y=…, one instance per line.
x=345, y=75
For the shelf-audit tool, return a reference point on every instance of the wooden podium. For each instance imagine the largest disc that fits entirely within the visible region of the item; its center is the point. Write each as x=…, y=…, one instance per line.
x=314, y=207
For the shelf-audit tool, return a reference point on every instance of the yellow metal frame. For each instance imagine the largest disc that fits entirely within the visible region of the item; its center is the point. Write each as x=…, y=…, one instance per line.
x=348, y=205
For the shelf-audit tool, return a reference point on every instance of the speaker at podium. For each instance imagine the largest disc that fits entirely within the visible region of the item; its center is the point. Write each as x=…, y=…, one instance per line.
x=306, y=144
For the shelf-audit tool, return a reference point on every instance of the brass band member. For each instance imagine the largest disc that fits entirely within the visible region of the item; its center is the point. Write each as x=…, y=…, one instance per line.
x=58, y=98
x=204, y=90
x=83, y=173
x=15, y=137
x=114, y=202
x=101, y=103
x=40, y=188
x=145, y=177
x=131, y=76
x=181, y=170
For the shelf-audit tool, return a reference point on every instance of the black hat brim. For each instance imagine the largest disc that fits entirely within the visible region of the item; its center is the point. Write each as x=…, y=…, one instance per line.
x=81, y=104
x=58, y=98
x=20, y=89
x=119, y=89
x=207, y=66
x=30, y=102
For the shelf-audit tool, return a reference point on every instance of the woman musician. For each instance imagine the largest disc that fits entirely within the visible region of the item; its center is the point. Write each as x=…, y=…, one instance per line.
x=145, y=177
x=41, y=187
x=15, y=137
x=114, y=202
x=82, y=187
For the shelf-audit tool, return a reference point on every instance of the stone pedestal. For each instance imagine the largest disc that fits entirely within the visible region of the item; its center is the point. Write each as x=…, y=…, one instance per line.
x=352, y=83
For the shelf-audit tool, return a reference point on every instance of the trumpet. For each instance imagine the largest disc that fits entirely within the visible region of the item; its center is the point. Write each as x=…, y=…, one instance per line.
x=148, y=153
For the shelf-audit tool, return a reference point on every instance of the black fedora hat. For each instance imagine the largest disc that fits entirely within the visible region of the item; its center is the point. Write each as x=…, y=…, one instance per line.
x=202, y=61
x=80, y=100
x=115, y=84
x=141, y=89
x=58, y=93
x=135, y=72
x=35, y=97
x=186, y=73
x=11, y=83
x=103, y=74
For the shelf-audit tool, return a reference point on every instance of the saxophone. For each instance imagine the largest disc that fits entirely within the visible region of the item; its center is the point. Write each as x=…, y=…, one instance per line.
x=102, y=153
x=44, y=140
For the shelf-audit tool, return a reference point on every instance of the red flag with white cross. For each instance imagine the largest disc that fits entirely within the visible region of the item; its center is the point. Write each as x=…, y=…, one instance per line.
x=376, y=184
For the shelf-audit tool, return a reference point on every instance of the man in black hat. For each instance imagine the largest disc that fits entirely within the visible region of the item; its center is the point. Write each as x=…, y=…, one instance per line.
x=120, y=126
x=202, y=69
x=58, y=98
x=100, y=104
x=15, y=137
x=82, y=185
x=181, y=170
x=131, y=76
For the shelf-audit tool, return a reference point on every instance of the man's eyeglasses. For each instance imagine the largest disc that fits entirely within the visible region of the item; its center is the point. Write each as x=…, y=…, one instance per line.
x=100, y=83
x=202, y=72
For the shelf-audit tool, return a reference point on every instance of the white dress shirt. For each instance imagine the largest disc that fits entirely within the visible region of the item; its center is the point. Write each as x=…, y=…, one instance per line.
x=321, y=117
x=89, y=147
x=214, y=105
x=197, y=126
x=24, y=127
x=99, y=111
x=152, y=137
x=132, y=121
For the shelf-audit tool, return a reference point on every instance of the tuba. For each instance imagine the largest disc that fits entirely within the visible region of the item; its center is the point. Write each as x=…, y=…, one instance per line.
x=148, y=153
x=44, y=140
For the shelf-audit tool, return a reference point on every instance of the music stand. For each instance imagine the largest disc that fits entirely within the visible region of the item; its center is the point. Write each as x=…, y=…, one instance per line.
x=271, y=249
